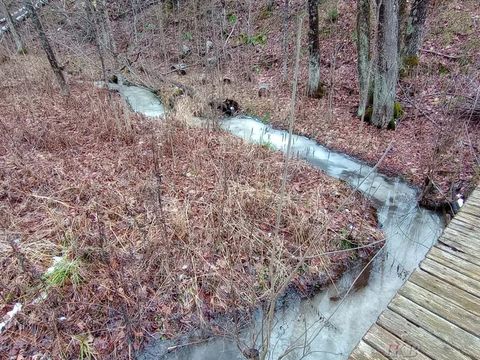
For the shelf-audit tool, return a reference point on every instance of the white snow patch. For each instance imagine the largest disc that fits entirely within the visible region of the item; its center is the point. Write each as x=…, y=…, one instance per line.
x=56, y=260
x=10, y=315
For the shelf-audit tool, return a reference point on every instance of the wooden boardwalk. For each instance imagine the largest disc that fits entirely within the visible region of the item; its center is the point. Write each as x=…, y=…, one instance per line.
x=436, y=313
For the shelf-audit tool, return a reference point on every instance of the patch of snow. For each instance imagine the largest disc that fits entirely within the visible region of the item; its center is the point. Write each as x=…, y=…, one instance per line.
x=10, y=315
x=56, y=260
x=460, y=200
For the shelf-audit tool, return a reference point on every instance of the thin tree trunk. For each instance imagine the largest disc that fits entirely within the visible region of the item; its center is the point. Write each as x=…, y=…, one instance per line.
x=416, y=27
x=107, y=35
x=11, y=26
x=270, y=4
x=47, y=48
x=386, y=73
x=285, y=39
x=364, y=58
x=314, y=49
x=402, y=25
x=276, y=287
x=92, y=16
x=134, y=5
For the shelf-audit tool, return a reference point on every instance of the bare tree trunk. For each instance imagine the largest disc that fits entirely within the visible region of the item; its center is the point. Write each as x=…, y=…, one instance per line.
x=285, y=39
x=47, y=48
x=402, y=25
x=364, y=57
x=108, y=40
x=314, y=50
x=277, y=287
x=386, y=73
x=11, y=26
x=415, y=28
x=134, y=5
x=93, y=18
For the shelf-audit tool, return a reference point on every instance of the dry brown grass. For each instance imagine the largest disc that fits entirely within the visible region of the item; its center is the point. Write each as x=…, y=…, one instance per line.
x=166, y=227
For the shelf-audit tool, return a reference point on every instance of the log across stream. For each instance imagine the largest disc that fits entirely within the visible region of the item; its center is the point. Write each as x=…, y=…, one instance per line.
x=321, y=327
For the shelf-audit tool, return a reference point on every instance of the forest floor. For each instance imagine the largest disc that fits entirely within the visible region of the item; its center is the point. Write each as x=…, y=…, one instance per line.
x=127, y=203
x=115, y=226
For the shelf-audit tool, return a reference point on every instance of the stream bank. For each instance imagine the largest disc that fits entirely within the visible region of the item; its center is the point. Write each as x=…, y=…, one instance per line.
x=333, y=327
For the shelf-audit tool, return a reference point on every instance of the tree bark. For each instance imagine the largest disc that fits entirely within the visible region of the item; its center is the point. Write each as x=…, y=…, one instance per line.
x=107, y=34
x=286, y=16
x=415, y=28
x=386, y=73
x=364, y=58
x=11, y=26
x=314, y=49
x=47, y=48
x=93, y=18
x=402, y=25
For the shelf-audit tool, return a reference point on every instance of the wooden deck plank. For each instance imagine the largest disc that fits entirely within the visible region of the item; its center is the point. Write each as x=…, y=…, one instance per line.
x=455, y=263
x=461, y=254
x=458, y=246
x=464, y=217
x=451, y=276
x=419, y=338
x=463, y=236
x=447, y=291
x=464, y=221
x=390, y=345
x=436, y=313
x=473, y=200
x=472, y=211
x=363, y=351
x=446, y=331
x=475, y=194
x=461, y=241
x=459, y=228
x=474, y=197
x=441, y=307
x=460, y=225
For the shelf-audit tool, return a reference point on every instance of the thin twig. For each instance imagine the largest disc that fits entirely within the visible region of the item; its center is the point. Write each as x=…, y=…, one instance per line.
x=453, y=57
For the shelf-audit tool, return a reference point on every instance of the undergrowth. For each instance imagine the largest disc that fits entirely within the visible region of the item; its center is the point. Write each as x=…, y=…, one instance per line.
x=163, y=227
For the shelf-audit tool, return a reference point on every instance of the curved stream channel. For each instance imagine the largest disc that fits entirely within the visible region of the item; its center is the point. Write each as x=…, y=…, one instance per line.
x=334, y=327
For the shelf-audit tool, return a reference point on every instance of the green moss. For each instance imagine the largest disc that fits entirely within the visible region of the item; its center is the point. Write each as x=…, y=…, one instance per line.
x=346, y=244
x=333, y=15
x=443, y=69
x=411, y=61
x=398, y=111
x=408, y=63
x=392, y=125
x=257, y=39
x=367, y=117
x=232, y=18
